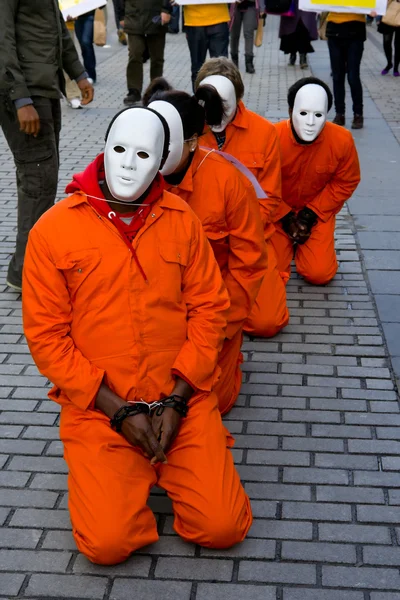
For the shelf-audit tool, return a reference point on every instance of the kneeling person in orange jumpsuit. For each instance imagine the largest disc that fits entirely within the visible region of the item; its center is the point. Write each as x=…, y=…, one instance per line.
x=125, y=312
x=320, y=171
x=253, y=141
x=226, y=204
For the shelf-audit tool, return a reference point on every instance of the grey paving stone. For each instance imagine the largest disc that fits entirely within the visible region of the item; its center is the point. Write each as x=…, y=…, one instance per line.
x=42, y=433
x=4, y=512
x=287, y=429
x=201, y=569
x=257, y=473
x=354, y=533
x=249, y=548
x=34, y=517
x=219, y=591
x=378, y=514
x=278, y=402
x=388, y=305
x=361, y=577
x=369, y=394
x=341, y=405
x=136, y=566
x=41, y=464
x=264, y=509
x=278, y=491
x=59, y=540
x=313, y=444
x=319, y=552
x=313, y=511
x=341, y=431
x=10, y=583
x=13, y=480
x=363, y=478
x=320, y=594
x=374, y=446
x=347, y=461
x=49, y=481
x=311, y=416
x=19, y=538
x=27, y=418
x=28, y=498
x=384, y=556
x=277, y=457
x=10, y=431
x=312, y=475
x=150, y=590
x=67, y=586
x=279, y=530
x=272, y=572
x=256, y=441
x=25, y=560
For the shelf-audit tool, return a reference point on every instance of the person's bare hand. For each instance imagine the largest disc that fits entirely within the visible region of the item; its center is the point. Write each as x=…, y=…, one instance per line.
x=122, y=24
x=139, y=432
x=165, y=18
x=29, y=121
x=87, y=91
x=166, y=427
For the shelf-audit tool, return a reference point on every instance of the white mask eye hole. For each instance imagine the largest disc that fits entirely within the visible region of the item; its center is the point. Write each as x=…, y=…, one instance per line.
x=143, y=155
x=303, y=113
x=119, y=149
x=319, y=115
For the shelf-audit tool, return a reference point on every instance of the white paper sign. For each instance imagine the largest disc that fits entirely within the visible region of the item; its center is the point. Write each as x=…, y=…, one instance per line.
x=380, y=7
x=75, y=8
x=186, y=2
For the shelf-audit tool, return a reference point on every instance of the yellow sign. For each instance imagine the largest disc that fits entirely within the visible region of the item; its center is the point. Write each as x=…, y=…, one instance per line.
x=64, y=4
x=347, y=3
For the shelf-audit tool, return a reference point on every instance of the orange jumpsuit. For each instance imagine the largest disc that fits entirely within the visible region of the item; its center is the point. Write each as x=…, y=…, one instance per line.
x=253, y=140
x=90, y=316
x=322, y=176
x=225, y=202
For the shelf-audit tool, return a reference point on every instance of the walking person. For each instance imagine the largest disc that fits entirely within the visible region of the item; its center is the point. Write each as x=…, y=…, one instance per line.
x=84, y=28
x=389, y=27
x=246, y=13
x=296, y=34
x=346, y=33
x=31, y=80
x=119, y=21
x=146, y=25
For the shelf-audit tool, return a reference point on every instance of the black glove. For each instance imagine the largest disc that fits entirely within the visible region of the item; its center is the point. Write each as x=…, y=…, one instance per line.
x=306, y=219
x=288, y=221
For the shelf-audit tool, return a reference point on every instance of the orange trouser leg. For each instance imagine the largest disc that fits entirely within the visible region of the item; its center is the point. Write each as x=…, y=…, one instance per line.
x=210, y=505
x=228, y=386
x=270, y=313
x=109, y=483
x=316, y=259
x=283, y=247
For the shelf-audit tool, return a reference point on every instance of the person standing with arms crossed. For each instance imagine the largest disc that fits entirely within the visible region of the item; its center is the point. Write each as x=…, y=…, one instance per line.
x=36, y=48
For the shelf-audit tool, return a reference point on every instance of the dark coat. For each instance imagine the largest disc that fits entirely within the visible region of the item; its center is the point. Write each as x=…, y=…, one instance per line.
x=139, y=15
x=288, y=24
x=35, y=48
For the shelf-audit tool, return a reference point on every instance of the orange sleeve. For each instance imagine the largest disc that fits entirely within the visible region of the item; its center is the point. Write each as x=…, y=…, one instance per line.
x=270, y=179
x=248, y=261
x=341, y=186
x=47, y=318
x=207, y=302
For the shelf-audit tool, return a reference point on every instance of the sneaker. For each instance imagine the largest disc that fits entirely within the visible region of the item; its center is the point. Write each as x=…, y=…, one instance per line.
x=358, y=122
x=303, y=61
x=396, y=74
x=14, y=286
x=132, y=98
x=74, y=103
x=91, y=81
x=386, y=70
x=339, y=120
x=122, y=37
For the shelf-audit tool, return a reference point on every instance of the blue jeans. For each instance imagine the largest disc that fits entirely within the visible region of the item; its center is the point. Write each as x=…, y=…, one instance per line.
x=345, y=55
x=214, y=38
x=84, y=32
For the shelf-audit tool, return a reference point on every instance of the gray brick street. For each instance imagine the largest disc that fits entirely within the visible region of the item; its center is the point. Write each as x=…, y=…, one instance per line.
x=317, y=421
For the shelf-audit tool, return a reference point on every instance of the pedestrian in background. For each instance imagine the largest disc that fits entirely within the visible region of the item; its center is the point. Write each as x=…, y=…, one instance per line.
x=391, y=31
x=36, y=47
x=84, y=28
x=346, y=33
x=246, y=13
x=119, y=21
x=146, y=25
x=207, y=30
x=297, y=33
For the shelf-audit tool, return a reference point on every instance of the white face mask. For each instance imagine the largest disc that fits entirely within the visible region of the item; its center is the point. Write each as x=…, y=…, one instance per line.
x=226, y=90
x=171, y=115
x=310, y=111
x=133, y=153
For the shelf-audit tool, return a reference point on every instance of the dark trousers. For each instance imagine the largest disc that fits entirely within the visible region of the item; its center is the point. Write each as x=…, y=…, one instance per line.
x=249, y=20
x=36, y=161
x=84, y=26
x=345, y=55
x=387, y=46
x=173, y=26
x=118, y=12
x=137, y=45
x=214, y=38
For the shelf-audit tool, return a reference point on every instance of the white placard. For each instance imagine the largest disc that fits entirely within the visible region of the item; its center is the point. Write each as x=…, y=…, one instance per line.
x=380, y=7
x=75, y=8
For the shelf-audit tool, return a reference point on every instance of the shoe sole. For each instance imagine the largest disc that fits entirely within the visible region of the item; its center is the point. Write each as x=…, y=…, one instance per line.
x=17, y=288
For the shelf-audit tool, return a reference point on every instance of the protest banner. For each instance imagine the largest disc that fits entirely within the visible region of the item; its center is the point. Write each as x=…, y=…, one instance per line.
x=344, y=6
x=75, y=8
x=186, y=2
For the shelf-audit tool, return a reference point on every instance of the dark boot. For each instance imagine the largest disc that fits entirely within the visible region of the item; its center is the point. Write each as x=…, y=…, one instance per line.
x=133, y=97
x=303, y=61
x=235, y=59
x=358, y=122
x=249, y=65
x=339, y=120
x=292, y=60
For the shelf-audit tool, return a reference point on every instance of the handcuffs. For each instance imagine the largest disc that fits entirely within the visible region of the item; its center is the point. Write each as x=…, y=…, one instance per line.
x=152, y=408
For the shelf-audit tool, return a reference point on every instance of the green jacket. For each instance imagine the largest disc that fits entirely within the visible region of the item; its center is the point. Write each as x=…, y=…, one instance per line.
x=139, y=15
x=35, y=48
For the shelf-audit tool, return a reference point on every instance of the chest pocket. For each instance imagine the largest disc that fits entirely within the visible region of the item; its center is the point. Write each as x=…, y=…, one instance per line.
x=219, y=241
x=324, y=175
x=252, y=160
x=174, y=259
x=81, y=270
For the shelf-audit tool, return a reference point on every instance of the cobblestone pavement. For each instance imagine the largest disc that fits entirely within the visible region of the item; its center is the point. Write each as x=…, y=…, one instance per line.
x=316, y=425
